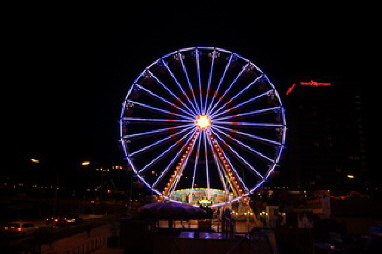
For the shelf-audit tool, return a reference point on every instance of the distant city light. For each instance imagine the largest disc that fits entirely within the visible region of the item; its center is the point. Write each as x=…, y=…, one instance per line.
x=35, y=160
x=85, y=163
x=350, y=176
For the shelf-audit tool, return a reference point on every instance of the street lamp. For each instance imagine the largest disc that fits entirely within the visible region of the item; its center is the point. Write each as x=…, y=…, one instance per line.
x=33, y=160
x=85, y=163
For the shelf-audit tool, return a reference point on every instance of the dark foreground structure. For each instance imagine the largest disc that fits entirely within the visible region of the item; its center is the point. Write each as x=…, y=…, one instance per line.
x=354, y=225
x=341, y=235
x=145, y=236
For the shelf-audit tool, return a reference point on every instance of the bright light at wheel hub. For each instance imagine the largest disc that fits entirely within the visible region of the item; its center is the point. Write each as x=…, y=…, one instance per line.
x=203, y=121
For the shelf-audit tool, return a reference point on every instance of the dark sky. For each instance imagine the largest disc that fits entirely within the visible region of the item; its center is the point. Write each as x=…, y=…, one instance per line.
x=68, y=68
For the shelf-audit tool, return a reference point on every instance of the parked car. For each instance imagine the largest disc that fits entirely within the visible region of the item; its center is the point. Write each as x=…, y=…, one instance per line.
x=20, y=228
x=73, y=219
x=63, y=220
x=56, y=221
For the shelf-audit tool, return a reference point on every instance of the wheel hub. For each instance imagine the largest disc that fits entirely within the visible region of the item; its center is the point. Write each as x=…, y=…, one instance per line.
x=203, y=121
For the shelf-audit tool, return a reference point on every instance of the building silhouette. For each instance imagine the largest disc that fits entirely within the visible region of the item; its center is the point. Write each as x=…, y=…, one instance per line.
x=326, y=140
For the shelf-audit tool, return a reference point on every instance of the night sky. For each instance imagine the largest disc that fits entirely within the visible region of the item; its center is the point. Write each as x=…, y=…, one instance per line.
x=68, y=68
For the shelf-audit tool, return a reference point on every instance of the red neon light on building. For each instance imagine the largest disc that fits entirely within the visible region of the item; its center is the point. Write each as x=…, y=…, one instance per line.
x=310, y=83
x=290, y=89
x=314, y=83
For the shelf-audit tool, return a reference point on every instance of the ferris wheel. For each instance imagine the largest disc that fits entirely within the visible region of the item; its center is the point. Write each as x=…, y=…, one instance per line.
x=202, y=123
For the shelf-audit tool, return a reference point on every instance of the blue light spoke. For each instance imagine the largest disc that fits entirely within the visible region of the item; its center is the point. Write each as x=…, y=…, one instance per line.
x=237, y=95
x=251, y=136
x=242, y=104
x=159, y=142
x=149, y=133
x=130, y=162
x=244, y=161
x=206, y=163
x=261, y=155
x=213, y=56
x=168, y=90
x=199, y=80
x=162, y=155
x=159, y=110
x=231, y=165
x=189, y=84
x=166, y=101
x=195, y=112
x=221, y=173
x=275, y=125
x=175, y=183
x=230, y=86
x=254, y=112
x=195, y=164
x=178, y=154
x=219, y=85
x=138, y=119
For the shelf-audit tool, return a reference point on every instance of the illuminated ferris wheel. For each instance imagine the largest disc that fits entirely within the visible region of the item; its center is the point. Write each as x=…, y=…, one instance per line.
x=202, y=123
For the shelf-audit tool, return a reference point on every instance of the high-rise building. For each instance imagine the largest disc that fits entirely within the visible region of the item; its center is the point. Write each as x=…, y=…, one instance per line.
x=325, y=145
